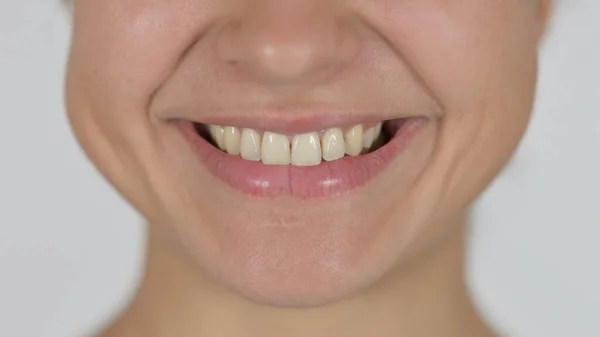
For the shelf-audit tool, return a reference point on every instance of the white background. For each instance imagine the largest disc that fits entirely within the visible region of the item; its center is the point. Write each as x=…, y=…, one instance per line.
x=70, y=248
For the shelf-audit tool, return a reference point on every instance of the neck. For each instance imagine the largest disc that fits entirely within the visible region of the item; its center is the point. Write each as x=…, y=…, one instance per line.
x=177, y=299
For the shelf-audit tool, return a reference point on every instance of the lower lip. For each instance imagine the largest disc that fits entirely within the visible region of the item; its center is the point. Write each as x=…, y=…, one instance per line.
x=324, y=180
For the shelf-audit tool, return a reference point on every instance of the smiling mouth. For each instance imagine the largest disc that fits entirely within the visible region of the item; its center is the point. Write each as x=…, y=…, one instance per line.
x=308, y=165
x=306, y=149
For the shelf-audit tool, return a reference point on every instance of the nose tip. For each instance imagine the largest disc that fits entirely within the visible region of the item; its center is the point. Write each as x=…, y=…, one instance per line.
x=277, y=44
x=287, y=60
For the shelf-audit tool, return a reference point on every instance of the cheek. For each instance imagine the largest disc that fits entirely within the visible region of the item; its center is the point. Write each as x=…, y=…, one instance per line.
x=461, y=50
x=479, y=60
x=121, y=52
x=124, y=50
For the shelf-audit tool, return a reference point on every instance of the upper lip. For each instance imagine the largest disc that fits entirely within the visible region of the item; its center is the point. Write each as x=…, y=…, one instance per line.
x=293, y=120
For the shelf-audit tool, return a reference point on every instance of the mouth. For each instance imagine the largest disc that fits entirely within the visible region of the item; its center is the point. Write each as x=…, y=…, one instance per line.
x=315, y=164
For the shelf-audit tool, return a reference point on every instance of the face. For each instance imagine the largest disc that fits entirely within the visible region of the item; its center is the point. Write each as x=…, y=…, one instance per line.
x=299, y=150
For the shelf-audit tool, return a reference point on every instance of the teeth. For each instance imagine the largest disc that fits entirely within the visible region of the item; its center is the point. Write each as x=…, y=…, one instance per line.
x=334, y=146
x=354, y=139
x=306, y=150
x=275, y=149
x=368, y=138
x=232, y=140
x=217, y=133
x=377, y=130
x=250, y=145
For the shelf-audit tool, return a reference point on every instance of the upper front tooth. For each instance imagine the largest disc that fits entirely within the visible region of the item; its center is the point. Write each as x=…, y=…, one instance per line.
x=334, y=146
x=354, y=139
x=306, y=150
x=232, y=140
x=275, y=149
x=217, y=133
x=250, y=145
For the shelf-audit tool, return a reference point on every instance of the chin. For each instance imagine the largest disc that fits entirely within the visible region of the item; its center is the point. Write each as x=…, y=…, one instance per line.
x=302, y=247
x=297, y=268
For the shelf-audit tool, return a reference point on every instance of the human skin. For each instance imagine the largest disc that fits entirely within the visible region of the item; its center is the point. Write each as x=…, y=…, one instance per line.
x=384, y=256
